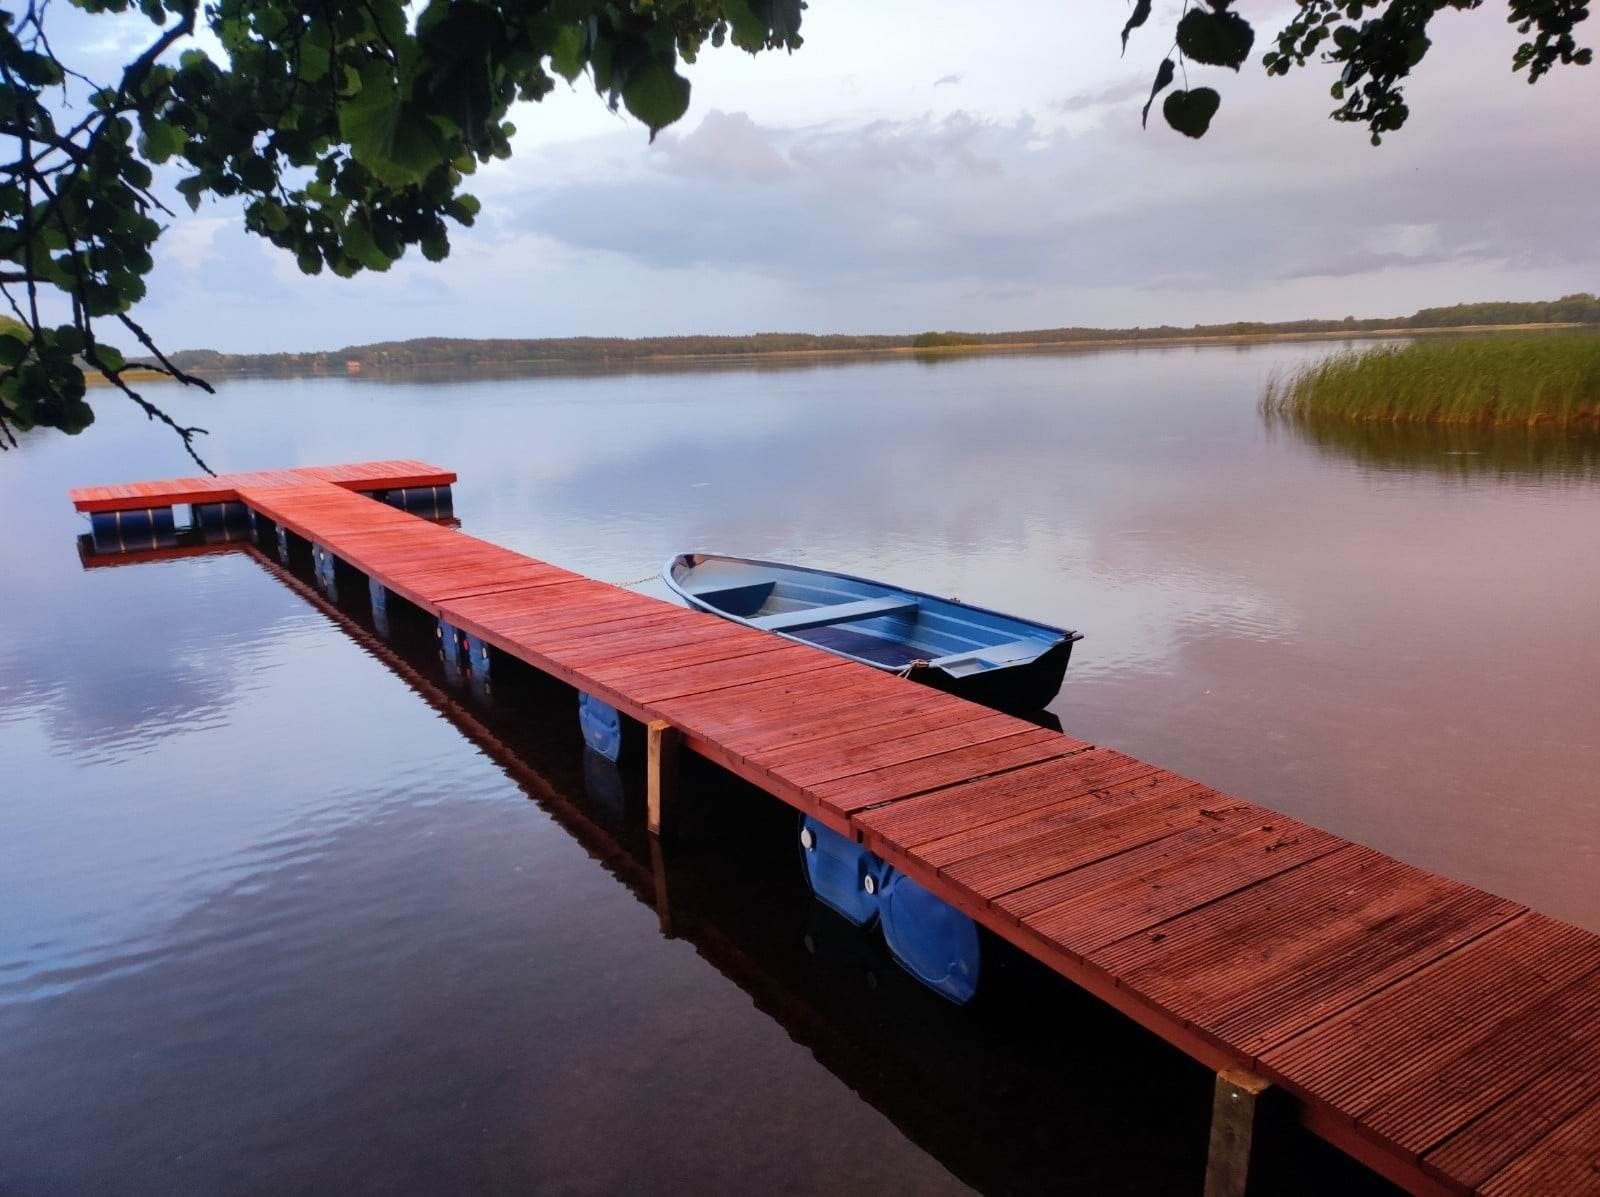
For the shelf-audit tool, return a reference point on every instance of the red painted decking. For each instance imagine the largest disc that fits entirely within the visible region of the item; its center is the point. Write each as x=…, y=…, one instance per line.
x=224, y=488
x=1448, y=1038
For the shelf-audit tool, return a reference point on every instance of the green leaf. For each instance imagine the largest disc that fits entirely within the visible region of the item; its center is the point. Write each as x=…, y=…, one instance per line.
x=1164, y=74
x=75, y=416
x=36, y=70
x=656, y=95
x=273, y=215
x=386, y=136
x=1215, y=38
x=309, y=262
x=436, y=246
x=566, y=54
x=316, y=51
x=191, y=189
x=1190, y=112
x=12, y=349
x=360, y=245
x=464, y=208
x=159, y=140
x=110, y=359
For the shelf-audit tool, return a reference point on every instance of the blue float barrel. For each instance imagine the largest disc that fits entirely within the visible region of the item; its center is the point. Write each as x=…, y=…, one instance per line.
x=220, y=522
x=930, y=939
x=602, y=780
x=842, y=874
x=126, y=531
x=601, y=725
x=326, y=567
x=378, y=595
x=421, y=500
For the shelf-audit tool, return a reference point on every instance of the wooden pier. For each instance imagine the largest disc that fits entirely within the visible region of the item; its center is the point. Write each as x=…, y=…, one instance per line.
x=1447, y=1038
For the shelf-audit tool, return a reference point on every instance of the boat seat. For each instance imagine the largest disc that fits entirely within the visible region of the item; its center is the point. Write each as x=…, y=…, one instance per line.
x=995, y=654
x=816, y=617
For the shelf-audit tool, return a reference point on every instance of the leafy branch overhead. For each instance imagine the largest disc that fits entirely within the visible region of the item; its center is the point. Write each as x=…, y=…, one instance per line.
x=346, y=133
x=1374, y=45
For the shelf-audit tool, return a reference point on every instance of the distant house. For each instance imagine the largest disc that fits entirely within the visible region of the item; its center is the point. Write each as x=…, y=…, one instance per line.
x=352, y=366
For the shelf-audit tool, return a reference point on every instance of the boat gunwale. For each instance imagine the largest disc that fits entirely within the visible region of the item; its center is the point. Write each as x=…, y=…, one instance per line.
x=1062, y=635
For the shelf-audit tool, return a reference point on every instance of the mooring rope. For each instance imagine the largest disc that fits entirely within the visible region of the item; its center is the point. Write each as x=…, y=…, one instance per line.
x=655, y=577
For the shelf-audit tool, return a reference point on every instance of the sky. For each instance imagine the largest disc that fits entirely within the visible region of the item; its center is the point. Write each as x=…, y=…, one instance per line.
x=923, y=164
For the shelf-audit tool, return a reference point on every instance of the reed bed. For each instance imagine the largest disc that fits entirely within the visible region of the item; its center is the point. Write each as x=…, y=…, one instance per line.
x=1520, y=382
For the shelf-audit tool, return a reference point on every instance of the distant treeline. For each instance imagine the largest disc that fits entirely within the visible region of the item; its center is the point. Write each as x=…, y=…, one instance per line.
x=466, y=354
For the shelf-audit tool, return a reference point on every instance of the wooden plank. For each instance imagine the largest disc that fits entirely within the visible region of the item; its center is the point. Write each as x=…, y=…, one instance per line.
x=854, y=751
x=1036, y=826
x=782, y=660
x=761, y=708
x=1525, y=1046
x=1565, y=1162
x=1068, y=838
x=1488, y=1144
x=1103, y=882
x=378, y=475
x=1433, y=1014
x=864, y=707
x=849, y=794
x=1216, y=865
x=1301, y=945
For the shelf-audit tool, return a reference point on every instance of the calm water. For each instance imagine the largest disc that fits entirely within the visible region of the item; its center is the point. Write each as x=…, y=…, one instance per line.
x=279, y=912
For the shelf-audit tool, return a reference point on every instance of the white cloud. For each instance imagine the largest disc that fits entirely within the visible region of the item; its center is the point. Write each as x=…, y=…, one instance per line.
x=834, y=189
x=191, y=243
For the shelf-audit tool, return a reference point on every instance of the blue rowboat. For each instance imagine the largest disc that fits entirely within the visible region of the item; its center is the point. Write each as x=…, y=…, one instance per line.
x=999, y=660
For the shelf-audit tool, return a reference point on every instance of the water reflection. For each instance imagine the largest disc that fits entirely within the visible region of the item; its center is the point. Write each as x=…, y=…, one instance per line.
x=1451, y=451
x=999, y=1092
x=279, y=920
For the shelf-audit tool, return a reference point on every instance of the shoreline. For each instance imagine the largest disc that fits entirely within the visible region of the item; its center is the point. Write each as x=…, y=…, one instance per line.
x=644, y=361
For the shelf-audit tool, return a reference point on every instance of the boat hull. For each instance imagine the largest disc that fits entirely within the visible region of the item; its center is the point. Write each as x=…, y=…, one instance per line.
x=998, y=660
x=1028, y=686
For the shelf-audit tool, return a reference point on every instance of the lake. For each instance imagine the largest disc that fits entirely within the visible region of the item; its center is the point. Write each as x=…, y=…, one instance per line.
x=279, y=909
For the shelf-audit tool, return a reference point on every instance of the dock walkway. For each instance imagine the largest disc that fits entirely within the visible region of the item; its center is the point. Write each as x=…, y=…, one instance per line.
x=1448, y=1038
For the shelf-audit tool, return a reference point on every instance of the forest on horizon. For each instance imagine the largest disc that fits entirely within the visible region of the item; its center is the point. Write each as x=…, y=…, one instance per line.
x=468, y=353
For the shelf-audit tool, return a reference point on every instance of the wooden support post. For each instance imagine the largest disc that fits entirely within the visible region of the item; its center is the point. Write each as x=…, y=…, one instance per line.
x=1233, y=1126
x=662, y=771
x=658, y=867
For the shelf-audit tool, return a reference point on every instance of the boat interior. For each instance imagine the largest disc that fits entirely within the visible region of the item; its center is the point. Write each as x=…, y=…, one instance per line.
x=863, y=619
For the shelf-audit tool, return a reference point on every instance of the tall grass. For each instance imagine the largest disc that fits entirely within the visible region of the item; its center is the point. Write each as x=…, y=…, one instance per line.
x=1490, y=381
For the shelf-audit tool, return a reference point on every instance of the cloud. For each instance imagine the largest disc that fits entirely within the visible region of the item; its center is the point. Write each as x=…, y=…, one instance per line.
x=1125, y=91
x=804, y=192
x=947, y=80
x=961, y=201
x=726, y=145
x=191, y=244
